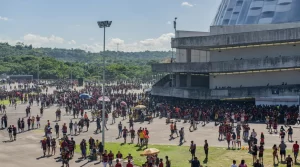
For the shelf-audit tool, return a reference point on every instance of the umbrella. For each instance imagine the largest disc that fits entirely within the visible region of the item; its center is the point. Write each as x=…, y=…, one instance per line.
x=105, y=99
x=150, y=151
x=123, y=103
x=84, y=96
x=140, y=107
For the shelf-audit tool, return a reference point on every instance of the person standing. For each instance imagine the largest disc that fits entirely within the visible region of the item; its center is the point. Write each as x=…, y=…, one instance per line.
x=282, y=148
x=9, y=129
x=71, y=127
x=295, y=150
x=206, y=149
x=168, y=162
x=44, y=146
x=290, y=134
x=53, y=146
x=193, y=149
x=261, y=153
x=83, y=148
x=289, y=161
x=233, y=164
x=14, y=129
x=195, y=162
x=105, y=158
x=57, y=130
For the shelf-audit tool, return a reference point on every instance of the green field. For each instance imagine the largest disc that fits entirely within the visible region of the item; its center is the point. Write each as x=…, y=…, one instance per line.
x=180, y=155
x=5, y=102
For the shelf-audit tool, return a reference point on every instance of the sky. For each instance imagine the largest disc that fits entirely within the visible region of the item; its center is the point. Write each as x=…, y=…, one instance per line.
x=137, y=25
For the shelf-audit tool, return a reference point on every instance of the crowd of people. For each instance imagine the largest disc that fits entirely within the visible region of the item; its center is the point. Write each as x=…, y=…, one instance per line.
x=232, y=118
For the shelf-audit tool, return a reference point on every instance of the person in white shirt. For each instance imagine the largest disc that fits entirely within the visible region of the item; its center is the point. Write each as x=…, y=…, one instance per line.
x=233, y=164
x=253, y=133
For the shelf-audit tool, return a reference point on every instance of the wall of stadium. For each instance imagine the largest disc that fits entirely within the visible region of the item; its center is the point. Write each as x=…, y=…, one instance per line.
x=254, y=79
x=255, y=52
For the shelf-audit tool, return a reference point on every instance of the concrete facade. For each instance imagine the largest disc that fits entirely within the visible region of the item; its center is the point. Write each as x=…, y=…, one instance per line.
x=235, y=61
x=206, y=94
x=254, y=79
x=269, y=63
x=237, y=39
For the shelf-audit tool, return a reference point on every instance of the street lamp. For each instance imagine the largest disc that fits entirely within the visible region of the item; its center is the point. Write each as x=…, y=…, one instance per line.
x=103, y=24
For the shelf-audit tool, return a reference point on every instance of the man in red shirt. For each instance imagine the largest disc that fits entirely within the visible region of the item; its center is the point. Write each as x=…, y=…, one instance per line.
x=129, y=164
x=161, y=164
x=110, y=158
x=296, y=150
x=105, y=158
x=118, y=164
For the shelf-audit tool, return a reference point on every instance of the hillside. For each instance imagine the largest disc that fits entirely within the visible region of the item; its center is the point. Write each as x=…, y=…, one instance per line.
x=61, y=63
x=77, y=55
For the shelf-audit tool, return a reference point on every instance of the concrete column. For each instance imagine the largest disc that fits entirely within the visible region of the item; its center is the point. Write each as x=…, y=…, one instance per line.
x=177, y=80
x=188, y=79
x=188, y=55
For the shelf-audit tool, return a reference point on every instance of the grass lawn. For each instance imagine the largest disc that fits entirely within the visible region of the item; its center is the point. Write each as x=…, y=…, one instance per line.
x=179, y=155
x=5, y=102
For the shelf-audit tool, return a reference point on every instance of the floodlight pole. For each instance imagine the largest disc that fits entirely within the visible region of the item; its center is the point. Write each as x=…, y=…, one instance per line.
x=103, y=92
x=103, y=24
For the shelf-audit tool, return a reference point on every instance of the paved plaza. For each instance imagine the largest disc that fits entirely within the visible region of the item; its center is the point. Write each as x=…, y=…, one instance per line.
x=26, y=151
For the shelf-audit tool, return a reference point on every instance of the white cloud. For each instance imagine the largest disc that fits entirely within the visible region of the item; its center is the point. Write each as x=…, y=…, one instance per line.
x=187, y=4
x=72, y=42
x=4, y=18
x=162, y=43
x=38, y=41
x=169, y=22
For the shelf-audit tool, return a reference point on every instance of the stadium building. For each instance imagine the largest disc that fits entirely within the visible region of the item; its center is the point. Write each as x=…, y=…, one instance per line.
x=251, y=51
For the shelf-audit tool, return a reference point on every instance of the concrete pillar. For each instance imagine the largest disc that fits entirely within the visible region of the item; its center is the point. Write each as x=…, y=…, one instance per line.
x=188, y=80
x=188, y=55
x=177, y=80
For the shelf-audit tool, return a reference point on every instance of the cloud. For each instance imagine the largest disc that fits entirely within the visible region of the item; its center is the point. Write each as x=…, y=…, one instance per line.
x=4, y=18
x=38, y=41
x=72, y=42
x=169, y=22
x=161, y=43
x=187, y=4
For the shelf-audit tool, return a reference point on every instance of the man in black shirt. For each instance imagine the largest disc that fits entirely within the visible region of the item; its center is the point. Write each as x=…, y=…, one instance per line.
x=195, y=163
x=9, y=129
x=257, y=164
x=57, y=130
x=14, y=129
